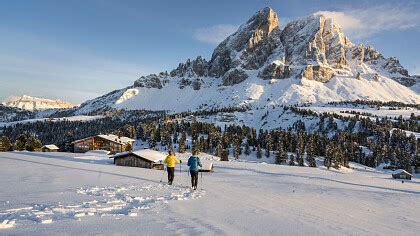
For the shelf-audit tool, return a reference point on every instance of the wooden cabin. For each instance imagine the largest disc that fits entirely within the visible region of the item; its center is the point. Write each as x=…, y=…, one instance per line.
x=145, y=158
x=401, y=174
x=110, y=142
x=50, y=148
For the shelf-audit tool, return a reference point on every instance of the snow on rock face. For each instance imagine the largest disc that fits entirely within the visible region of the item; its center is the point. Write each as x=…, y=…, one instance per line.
x=128, y=94
x=33, y=103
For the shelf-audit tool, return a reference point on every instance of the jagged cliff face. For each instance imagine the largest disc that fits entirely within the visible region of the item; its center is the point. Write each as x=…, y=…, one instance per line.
x=313, y=48
x=310, y=60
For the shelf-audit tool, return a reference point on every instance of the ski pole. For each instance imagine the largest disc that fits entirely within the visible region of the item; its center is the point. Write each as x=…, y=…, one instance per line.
x=180, y=173
x=201, y=179
x=163, y=173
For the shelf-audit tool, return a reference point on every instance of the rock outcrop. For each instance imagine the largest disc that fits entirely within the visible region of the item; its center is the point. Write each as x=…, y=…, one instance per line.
x=234, y=77
x=317, y=73
x=195, y=68
x=150, y=81
x=275, y=71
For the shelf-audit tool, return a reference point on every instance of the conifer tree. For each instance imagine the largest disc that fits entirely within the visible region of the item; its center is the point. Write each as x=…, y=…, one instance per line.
x=236, y=148
x=19, y=145
x=300, y=149
x=32, y=144
x=291, y=160
x=268, y=145
x=328, y=156
x=279, y=156
x=247, y=149
x=128, y=147
x=68, y=146
x=259, y=152
x=181, y=143
x=20, y=142
x=310, y=154
x=224, y=155
x=5, y=144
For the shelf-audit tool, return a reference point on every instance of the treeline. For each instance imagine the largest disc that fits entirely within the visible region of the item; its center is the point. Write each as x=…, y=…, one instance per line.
x=22, y=142
x=371, y=145
x=10, y=114
x=63, y=133
x=376, y=103
x=411, y=124
x=362, y=140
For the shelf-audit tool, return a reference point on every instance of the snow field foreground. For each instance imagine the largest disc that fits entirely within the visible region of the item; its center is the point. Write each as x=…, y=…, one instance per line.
x=63, y=193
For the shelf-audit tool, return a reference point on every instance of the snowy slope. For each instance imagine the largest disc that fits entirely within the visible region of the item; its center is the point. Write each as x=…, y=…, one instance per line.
x=257, y=92
x=310, y=60
x=33, y=103
x=56, y=193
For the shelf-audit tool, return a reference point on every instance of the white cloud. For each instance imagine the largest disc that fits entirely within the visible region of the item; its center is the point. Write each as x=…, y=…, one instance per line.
x=364, y=22
x=214, y=34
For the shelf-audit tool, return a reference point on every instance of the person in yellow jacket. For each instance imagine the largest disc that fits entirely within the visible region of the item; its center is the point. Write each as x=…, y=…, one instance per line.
x=170, y=162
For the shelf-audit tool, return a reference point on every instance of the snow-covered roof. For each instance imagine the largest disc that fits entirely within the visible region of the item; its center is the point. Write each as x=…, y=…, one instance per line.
x=110, y=137
x=51, y=147
x=400, y=171
x=148, y=154
x=115, y=138
x=97, y=152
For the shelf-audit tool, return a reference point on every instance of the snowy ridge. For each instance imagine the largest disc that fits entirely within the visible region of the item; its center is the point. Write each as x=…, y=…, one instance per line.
x=33, y=103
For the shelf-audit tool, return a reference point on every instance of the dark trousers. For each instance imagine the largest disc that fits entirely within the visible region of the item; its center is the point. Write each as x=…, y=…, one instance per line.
x=171, y=174
x=194, y=178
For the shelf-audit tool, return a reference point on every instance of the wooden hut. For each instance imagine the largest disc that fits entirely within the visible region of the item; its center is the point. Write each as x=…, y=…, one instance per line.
x=401, y=174
x=50, y=148
x=109, y=142
x=145, y=158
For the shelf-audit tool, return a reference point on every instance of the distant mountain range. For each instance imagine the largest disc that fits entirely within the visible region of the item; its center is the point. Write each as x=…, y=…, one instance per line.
x=32, y=103
x=259, y=66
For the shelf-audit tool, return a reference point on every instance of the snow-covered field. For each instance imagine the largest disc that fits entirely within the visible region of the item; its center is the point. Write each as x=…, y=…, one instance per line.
x=65, y=193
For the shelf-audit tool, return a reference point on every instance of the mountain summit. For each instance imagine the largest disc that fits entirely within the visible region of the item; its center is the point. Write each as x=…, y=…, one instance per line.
x=310, y=61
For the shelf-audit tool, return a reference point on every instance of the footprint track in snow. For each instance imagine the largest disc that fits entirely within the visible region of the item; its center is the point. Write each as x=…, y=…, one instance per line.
x=104, y=201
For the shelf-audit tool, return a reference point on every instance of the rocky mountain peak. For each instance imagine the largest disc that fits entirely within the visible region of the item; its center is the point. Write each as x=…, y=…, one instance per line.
x=264, y=22
x=314, y=48
x=246, y=39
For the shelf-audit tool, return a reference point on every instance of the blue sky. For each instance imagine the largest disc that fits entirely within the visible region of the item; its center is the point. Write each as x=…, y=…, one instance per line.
x=79, y=49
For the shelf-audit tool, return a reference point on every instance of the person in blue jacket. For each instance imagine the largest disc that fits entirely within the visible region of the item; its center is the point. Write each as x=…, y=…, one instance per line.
x=194, y=163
